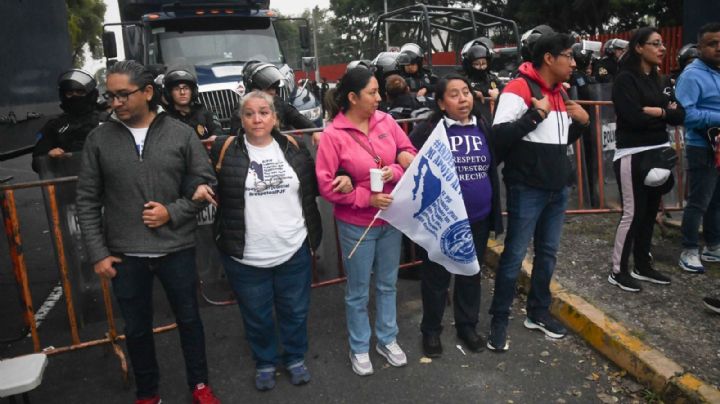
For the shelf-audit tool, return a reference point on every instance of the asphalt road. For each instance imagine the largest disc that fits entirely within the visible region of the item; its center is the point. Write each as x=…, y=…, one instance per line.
x=536, y=369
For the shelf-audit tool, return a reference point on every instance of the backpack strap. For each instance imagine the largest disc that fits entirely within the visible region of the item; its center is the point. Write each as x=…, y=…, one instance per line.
x=224, y=148
x=292, y=140
x=537, y=92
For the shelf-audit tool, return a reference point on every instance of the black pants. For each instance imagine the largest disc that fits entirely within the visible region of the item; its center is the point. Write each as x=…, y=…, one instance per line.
x=640, y=205
x=435, y=281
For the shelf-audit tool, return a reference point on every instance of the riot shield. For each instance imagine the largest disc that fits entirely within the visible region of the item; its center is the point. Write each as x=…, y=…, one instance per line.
x=85, y=287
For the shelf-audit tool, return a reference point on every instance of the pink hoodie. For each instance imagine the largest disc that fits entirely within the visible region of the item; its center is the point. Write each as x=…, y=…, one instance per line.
x=338, y=149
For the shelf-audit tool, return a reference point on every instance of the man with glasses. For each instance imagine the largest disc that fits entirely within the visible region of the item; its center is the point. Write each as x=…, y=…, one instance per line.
x=65, y=134
x=180, y=93
x=136, y=224
x=534, y=123
x=698, y=91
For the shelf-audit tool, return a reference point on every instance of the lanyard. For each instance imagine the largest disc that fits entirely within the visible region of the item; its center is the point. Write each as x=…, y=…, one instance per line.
x=371, y=151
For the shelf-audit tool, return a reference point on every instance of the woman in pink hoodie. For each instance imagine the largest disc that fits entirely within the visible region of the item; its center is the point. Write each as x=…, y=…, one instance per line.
x=358, y=139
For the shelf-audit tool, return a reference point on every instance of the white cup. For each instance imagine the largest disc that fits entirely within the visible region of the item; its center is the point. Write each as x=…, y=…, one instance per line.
x=376, y=182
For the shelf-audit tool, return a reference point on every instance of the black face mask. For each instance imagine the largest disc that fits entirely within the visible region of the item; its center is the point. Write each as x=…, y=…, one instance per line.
x=77, y=105
x=478, y=74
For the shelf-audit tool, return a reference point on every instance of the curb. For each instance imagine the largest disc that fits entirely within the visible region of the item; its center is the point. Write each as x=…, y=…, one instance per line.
x=649, y=366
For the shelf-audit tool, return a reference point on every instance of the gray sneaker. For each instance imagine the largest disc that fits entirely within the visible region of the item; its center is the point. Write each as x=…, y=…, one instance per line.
x=393, y=353
x=361, y=364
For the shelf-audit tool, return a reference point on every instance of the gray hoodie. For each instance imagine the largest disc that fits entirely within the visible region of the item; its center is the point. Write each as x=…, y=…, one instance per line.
x=115, y=182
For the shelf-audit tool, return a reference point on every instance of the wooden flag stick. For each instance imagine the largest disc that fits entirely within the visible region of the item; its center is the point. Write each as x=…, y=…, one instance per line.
x=362, y=237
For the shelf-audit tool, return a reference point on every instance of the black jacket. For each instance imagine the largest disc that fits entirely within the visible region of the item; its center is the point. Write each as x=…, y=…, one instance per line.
x=631, y=92
x=230, y=218
x=422, y=79
x=202, y=121
x=67, y=132
x=419, y=136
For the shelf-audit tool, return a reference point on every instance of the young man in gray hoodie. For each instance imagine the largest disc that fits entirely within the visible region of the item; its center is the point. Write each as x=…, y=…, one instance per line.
x=136, y=223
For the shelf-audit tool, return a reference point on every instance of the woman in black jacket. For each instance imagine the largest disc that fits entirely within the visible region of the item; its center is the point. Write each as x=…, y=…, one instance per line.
x=268, y=222
x=643, y=158
x=471, y=144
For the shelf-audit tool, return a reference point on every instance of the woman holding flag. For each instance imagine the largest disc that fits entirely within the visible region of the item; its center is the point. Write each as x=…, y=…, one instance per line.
x=358, y=139
x=470, y=142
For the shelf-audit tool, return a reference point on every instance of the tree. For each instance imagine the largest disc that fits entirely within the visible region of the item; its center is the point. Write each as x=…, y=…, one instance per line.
x=85, y=23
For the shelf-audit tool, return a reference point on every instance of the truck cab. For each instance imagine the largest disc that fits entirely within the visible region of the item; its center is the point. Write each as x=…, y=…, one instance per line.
x=218, y=38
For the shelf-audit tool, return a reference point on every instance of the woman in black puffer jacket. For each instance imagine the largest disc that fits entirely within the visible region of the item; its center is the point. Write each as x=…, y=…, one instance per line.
x=267, y=224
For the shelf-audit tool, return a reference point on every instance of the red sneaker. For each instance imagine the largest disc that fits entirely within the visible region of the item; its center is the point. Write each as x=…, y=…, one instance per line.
x=203, y=394
x=151, y=400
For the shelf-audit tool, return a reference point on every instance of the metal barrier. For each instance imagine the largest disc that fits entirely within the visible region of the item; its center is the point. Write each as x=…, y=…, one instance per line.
x=13, y=233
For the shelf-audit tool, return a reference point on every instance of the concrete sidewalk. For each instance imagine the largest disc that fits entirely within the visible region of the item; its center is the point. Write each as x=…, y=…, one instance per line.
x=536, y=369
x=618, y=343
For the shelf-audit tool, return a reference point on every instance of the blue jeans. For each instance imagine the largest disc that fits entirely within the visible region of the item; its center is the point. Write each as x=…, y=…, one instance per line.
x=378, y=254
x=703, y=202
x=532, y=213
x=133, y=288
x=286, y=288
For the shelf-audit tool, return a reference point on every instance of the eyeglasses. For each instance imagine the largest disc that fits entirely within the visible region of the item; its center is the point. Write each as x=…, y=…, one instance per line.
x=657, y=44
x=121, y=97
x=568, y=55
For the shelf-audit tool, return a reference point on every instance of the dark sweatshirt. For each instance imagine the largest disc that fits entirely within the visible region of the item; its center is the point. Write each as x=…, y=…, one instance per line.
x=631, y=92
x=115, y=182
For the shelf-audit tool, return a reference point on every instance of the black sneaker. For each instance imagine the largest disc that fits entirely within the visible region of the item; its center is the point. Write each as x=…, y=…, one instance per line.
x=497, y=341
x=547, y=324
x=432, y=347
x=471, y=339
x=712, y=304
x=650, y=275
x=624, y=281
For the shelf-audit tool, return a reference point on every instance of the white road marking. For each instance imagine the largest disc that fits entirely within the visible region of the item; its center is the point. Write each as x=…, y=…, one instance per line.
x=55, y=295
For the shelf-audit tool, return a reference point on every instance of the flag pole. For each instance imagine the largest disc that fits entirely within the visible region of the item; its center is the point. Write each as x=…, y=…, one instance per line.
x=363, y=236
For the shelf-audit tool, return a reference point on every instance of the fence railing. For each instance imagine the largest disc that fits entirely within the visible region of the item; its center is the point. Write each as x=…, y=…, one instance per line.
x=12, y=227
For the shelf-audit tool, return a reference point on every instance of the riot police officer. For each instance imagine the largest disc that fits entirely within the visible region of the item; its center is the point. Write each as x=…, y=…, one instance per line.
x=78, y=94
x=477, y=55
x=410, y=65
x=581, y=76
x=685, y=56
x=606, y=68
x=181, y=95
x=267, y=77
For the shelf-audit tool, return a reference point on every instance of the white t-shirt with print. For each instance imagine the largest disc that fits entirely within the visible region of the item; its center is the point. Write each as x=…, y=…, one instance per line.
x=274, y=223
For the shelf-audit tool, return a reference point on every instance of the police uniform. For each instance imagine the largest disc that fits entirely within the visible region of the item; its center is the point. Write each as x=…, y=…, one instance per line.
x=605, y=69
x=203, y=121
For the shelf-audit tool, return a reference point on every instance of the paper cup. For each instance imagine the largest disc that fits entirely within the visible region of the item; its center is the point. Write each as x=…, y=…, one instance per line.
x=376, y=182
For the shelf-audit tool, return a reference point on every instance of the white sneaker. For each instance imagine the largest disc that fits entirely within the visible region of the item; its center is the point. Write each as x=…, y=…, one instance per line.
x=690, y=261
x=361, y=364
x=393, y=353
x=711, y=254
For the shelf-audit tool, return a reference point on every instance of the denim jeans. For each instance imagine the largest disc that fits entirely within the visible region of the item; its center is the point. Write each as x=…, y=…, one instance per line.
x=532, y=213
x=703, y=202
x=133, y=289
x=378, y=254
x=286, y=288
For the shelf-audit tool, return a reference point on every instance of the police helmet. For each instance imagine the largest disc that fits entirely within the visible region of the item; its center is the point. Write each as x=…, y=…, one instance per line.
x=686, y=54
x=410, y=54
x=477, y=49
x=530, y=37
x=261, y=76
x=176, y=76
x=76, y=79
x=583, y=57
x=361, y=63
x=613, y=44
x=385, y=63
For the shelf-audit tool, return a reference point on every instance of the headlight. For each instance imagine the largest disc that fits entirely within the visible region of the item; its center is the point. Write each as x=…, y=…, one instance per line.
x=312, y=114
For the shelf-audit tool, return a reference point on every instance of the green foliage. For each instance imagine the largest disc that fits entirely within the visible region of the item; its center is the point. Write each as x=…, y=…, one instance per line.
x=85, y=23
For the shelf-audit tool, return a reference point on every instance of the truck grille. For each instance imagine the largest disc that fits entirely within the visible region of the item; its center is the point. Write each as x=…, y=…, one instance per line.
x=222, y=103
